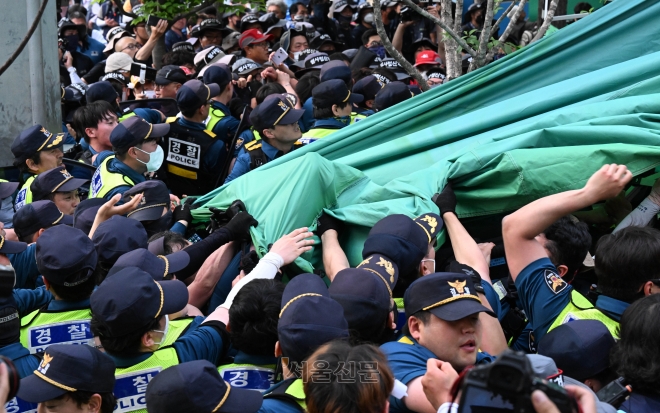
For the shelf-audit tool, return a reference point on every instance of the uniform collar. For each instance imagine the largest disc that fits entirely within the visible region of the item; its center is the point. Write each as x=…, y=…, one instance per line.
x=244, y=358
x=124, y=362
x=115, y=165
x=221, y=106
x=270, y=151
x=14, y=351
x=190, y=124
x=611, y=306
x=329, y=123
x=61, y=305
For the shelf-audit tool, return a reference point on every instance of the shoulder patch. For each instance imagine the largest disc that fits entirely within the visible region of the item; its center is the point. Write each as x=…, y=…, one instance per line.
x=252, y=145
x=554, y=282
x=171, y=119
x=208, y=132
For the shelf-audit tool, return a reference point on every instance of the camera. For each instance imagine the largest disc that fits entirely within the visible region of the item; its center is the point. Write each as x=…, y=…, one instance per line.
x=506, y=385
x=14, y=378
x=408, y=14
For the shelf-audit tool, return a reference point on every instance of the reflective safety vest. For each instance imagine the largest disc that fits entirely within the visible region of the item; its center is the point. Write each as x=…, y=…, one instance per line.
x=290, y=390
x=185, y=149
x=315, y=134
x=43, y=328
x=176, y=329
x=126, y=116
x=401, y=318
x=248, y=376
x=356, y=117
x=215, y=116
x=24, y=196
x=258, y=156
x=580, y=308
x=131, y=382
x=104, y=181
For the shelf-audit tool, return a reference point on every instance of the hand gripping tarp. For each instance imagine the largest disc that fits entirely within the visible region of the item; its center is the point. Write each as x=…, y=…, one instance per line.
x=537, y=122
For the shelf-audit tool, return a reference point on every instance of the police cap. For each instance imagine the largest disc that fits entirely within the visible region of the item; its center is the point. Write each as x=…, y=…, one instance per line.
x=117, y=236
x=134, y=131
x=54, y=180
x=155, y=197
x=333, y=92
x=35, y=139
x=391, y=94
x=194, y=93
x=65, y=256
x=156, y=266
x=36, y=215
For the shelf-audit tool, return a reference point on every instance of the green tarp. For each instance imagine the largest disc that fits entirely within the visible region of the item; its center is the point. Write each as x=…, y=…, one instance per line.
x=537, y=122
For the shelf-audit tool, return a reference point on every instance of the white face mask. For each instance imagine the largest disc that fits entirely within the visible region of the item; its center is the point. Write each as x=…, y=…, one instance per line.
x=164, y=331
x=155, y=159
x=150, y=94
x=296, y=55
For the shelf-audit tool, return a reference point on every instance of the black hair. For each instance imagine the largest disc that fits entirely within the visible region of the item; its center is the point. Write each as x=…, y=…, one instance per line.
x=101, y=271
x=188, y=112
x=22, y=164
x=361, y=73
x=127, y=345
x=339, y=56
x=267, y=90
x=77, y=14
x=117, y=86
x=305, y=85
x=253, y=317
x=387, y=73
x=26, y=238
x=366, y=35
x=171, y=239
x=236, y=107
x=326, y=112
x=626, y=260
x=293, y=9
x=90, y=116
x=108, y=400
x=582, y=7
x=568, y=243
x=636, y=356
x=77, y=8
x=178, y=58
x=423, y=316
x=78, y=292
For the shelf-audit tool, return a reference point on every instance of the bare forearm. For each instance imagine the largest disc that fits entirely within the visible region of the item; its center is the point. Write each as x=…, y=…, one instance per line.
x=397, y=39
x=465, y=248
x=208, y=275
x=334, y=258
x=145, y=51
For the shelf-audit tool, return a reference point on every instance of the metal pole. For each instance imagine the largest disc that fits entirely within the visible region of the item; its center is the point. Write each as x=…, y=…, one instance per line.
x=35, y=50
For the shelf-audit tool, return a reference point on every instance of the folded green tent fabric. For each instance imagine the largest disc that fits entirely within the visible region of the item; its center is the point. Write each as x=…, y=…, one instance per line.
x=534, y=123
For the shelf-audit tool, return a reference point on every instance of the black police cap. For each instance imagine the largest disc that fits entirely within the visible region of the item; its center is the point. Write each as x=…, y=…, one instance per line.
x=333, y=92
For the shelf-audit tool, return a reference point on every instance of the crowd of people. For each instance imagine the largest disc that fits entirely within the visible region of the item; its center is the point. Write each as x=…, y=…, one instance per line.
x=112, y=298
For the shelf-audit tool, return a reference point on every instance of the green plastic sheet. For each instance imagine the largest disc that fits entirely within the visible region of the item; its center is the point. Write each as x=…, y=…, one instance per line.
x=537, y=122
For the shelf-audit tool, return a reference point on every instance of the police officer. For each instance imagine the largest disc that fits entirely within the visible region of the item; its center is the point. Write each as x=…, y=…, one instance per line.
x=333, y=104
x=196, y=386
x=446, y=301
x=309, y=318
x=220, y=120
x=195, y=155
x=365, y=293
x=66, y=259
x=71, y=378
x=548, y=300
x=276, y=121
x=391, y=94
x=35, y=150
x=59, y=186
x=368, y=86
x=30, y=223
x=115, y=237
x=136, y=151
x=132, y=324
x=104, y=91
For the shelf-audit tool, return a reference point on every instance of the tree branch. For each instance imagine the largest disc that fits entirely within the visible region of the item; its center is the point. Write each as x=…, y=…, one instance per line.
x=194, y=10
x=497, y=23
x=513, y=21
x=26, y=39
x=412, y=71
x=547, y=21
x=484, y=38
x=458, y=18
x=461, y=42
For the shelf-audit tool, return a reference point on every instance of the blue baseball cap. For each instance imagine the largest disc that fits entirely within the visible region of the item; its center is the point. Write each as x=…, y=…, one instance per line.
x=54, y=180
x=117, y=236
x=365, y=292
x=101, y=91
x=368, y=87
x=85, y=213
x=218, y=74
x=155, y=197
x=274, y=110
x=65, y=368
x=196, y=386
x=35, y=139
x=448, y=296
x=391, y=94
x=333, y=92
x=11, y=247
x=399, y=238
x=135, y=130
x=7, y=188
x=336, y=69
x=194, y=93
x=63, y=254
x=131, y=299
x=158, y=266
x=36, y=215
x=309, y=317
x=581, y=348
